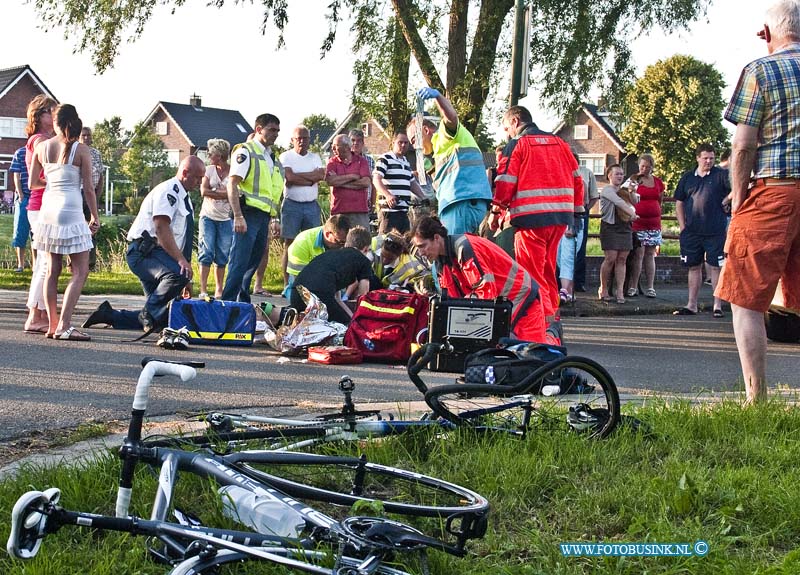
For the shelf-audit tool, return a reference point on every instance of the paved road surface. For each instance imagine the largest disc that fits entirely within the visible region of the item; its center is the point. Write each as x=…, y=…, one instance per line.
x=50, y=384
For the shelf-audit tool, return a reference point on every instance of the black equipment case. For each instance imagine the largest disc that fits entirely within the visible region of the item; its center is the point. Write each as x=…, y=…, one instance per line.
x=469, y=325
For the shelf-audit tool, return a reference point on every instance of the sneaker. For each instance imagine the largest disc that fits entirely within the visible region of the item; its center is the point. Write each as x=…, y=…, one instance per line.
x=167, y=337
x=202, y=295
x=180, y=340
x=581, y=417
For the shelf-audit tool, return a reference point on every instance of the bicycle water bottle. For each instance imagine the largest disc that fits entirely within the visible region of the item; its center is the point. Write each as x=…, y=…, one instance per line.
x=264, y=513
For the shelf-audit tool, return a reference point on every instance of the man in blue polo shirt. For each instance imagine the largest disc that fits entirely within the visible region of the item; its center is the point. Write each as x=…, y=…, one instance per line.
x=22, y=228
x=700, y=209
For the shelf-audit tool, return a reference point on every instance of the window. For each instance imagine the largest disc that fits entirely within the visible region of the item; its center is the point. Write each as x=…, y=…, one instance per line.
x=173, y=157
x=581, y=132
x=595, y=162
x=3, y=179
x=241, y=128
x=13, y=127
x=161, y=128
x=365, y=127
x=202, y=154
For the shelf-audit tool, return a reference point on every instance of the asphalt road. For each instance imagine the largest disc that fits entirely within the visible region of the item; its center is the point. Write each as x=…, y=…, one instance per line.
x=46, y=384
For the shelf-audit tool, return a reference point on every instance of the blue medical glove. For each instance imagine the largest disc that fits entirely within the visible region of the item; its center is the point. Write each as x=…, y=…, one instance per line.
x=427, y=93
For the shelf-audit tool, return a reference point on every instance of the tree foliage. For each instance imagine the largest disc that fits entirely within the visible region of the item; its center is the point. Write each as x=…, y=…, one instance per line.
x=319, y=122
x=109, y=138
x=675, y=106
x=144, y=162
x=575, y=44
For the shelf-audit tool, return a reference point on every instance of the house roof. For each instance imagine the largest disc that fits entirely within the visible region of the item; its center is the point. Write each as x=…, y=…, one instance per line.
x=594, y=113
x=200, y=124
x=10, y=76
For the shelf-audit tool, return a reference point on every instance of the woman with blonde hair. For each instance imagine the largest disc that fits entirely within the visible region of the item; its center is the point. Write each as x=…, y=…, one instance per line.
x=61, y=228
x=39, y=128
x=216, y=225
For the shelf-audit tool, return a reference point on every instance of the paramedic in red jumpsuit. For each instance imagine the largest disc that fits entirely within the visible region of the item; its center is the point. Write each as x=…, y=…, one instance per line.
x=472, y=266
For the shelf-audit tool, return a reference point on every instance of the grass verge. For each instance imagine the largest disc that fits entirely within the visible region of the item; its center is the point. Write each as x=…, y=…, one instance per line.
x=723, y=474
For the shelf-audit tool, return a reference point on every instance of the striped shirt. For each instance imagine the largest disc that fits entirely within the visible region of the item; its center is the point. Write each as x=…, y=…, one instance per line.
x=396, y=174
x=18, y=166
x=767, y=97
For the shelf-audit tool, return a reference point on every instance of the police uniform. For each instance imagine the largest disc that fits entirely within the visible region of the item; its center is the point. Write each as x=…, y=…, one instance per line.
x=159, y=273
x=261, y=186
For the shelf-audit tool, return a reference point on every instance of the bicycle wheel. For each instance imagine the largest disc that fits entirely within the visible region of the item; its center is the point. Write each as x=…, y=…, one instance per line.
x=582, y=397
x=345, y=481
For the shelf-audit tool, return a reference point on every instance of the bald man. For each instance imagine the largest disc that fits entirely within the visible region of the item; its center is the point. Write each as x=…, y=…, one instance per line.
x=160, y=250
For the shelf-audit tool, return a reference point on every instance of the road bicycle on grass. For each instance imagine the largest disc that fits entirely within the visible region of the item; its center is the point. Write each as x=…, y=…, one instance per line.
x=569, y=393
x=315, y=491
x=565, y=394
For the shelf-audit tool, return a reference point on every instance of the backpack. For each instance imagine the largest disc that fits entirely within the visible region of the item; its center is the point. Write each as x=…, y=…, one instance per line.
x=386, y=323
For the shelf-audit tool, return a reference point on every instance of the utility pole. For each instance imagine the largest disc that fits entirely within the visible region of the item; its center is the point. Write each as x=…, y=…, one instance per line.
x=519, y=53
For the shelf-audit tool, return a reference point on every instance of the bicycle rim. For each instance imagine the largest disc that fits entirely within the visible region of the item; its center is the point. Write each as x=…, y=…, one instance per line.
x=346, y=482
x=585, y=399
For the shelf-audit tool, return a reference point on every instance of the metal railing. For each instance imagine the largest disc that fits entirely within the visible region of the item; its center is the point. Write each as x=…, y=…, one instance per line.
x=664, y=218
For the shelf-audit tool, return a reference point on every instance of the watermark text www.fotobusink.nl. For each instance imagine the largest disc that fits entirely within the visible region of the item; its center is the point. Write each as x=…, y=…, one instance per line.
x=696, y=549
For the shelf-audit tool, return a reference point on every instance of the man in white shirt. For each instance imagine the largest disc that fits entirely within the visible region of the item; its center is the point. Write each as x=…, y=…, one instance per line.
x=160, y=250
x=303, y=170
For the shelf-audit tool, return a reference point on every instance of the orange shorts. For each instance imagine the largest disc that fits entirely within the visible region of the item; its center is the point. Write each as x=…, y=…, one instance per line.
x=763, y=246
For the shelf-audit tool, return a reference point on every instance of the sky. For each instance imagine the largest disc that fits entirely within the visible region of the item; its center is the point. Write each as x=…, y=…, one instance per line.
x=221, y=55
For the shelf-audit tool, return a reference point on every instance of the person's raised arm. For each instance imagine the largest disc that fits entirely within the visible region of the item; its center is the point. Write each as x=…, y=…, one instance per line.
x=446, y=109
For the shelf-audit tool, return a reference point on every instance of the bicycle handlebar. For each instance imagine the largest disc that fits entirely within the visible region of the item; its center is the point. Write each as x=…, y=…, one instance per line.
x=420, y=359
x=151, y=367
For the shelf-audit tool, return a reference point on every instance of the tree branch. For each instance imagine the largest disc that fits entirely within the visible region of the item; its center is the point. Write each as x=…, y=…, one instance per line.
x=403, y=11
x=456, y=43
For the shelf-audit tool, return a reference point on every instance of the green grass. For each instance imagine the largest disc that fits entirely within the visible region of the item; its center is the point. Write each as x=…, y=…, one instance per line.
x=722, y=474
x=113, y=276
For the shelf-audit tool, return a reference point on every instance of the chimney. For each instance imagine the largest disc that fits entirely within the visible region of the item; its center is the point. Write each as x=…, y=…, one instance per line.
x=194, y=101
x=602, y=104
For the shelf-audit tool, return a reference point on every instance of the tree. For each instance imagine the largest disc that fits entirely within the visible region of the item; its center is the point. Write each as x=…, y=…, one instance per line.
x=145, y=162
x=319, y=122
x=109, y=138
x=675, y=106
x=575, y=44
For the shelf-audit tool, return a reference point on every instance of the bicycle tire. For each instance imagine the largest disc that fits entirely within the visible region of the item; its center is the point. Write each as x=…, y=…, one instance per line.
x=232, y=559
x=521, y=409
x=344, y=481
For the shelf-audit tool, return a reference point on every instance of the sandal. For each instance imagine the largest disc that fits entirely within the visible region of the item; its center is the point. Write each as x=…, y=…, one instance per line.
x=620, y=300
x=684, y=311
x=650, y=293
x=718, y=313
x=72, y=334
x=632, y=292
x=262, y=292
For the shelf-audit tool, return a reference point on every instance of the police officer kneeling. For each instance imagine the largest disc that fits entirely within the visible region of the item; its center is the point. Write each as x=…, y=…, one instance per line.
x=160, y=251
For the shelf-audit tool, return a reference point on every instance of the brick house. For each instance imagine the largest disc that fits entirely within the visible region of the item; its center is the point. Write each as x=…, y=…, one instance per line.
x=18, y=86
x=593, y=138
x=377, y=140
x=186, y=128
